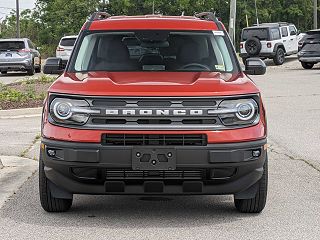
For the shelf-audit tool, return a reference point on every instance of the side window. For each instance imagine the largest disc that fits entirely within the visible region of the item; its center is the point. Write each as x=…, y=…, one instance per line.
x=31, y=46
x=293, y=30
x=275, y=33
x=284, y=32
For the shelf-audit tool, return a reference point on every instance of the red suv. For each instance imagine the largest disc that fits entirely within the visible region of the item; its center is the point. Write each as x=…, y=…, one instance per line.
x=154, y=105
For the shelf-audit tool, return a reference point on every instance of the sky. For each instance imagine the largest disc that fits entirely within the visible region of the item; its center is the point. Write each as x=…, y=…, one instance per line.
x=7, y=5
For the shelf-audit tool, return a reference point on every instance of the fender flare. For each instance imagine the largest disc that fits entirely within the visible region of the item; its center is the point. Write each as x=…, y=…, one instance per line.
x=277, y=46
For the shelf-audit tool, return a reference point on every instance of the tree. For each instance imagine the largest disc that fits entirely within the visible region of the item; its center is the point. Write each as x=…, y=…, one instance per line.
x=52, y=19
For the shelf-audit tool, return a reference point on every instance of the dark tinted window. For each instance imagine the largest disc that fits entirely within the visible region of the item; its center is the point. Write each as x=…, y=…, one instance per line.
x=11, y=45
x=312, y=36
x=284, y=32
x=154, y=50
x=292, y=30
x=312, y=47
x=260, y=33
x=68, y=42
x=275, y=33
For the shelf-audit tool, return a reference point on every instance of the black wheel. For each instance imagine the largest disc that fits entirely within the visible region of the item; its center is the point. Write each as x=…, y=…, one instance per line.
x=279, y=58
x=256, y=204
x=48, y=202
x=307, y=65
x=253, y=46
x=38, y=69
x=31, y=70
x=4, y=72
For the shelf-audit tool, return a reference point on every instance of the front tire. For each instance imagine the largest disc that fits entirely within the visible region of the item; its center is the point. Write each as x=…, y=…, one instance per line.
x=4, y=72
x=307, y=65
x=279, y=58
x=48, y=202
x=256, y=204
x=38, y=69
x=31, y=70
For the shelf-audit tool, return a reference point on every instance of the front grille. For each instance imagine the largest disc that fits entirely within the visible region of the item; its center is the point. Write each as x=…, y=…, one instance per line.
x=122, y=174
x=154, y=139
x=131, y=113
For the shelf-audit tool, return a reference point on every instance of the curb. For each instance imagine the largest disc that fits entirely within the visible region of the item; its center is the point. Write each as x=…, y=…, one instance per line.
x=20, y=113
x=15, y=172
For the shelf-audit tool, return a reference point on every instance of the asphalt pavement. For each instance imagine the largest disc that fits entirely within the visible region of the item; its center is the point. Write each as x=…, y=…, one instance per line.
x=292, y=98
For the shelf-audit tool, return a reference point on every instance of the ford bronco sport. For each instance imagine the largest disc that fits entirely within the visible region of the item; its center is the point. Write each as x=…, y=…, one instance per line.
x=269, y=40
x=154, y=105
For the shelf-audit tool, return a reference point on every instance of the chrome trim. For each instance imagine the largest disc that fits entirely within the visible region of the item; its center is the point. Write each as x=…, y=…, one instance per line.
x=84, y=110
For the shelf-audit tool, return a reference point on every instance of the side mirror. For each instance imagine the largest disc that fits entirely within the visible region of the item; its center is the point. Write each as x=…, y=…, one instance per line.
x=298, y=32
x=255, y=66
x=53, y=66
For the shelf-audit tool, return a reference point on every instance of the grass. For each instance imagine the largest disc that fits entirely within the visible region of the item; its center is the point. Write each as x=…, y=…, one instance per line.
x=35, y=140
x=26, y=93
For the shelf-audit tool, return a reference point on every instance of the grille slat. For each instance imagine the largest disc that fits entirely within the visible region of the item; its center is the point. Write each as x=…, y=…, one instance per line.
x=154, y=139
x=112, y=174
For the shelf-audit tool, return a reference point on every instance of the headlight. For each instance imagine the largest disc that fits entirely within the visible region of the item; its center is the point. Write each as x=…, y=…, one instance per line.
x=238, y=112
x=71, y=111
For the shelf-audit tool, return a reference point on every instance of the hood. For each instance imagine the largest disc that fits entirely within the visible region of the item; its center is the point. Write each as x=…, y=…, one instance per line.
x=154, y=84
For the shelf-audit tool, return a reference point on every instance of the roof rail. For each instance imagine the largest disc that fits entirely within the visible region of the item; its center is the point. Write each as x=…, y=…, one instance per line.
x=208, y=16
x=99, y=16
x=280, y=24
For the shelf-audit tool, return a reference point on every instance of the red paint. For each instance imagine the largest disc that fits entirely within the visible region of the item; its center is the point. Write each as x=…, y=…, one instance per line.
x=154, y=84
x=165, y=84
x=94, y=136
x=153, y=22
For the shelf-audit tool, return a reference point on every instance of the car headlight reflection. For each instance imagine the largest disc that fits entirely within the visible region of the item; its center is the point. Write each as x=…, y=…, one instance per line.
x=70, y=111
x=238, y=112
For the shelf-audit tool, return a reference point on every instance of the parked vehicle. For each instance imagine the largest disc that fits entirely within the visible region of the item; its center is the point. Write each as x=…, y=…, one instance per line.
x=269, y=40
x=309, y=54
x=19, y=54
x=65, y=48
x=154, y=105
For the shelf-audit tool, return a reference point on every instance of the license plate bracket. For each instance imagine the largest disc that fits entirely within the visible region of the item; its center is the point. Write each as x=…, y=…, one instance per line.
x=153, y=159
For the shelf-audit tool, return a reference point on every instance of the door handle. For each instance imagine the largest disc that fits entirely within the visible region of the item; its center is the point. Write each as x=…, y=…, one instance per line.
x=284, y=40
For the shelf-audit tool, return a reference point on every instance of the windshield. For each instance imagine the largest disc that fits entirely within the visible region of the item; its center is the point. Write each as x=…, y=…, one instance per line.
x=11, y=45
x=152, y=50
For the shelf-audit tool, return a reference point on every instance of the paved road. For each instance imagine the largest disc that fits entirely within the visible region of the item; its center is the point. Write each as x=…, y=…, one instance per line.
x=15, y=76
x=19, y=131
x=292, y=96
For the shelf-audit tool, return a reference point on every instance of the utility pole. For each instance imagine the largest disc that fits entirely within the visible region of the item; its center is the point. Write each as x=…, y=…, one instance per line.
x=104, y=6
x=153, y=8
x=0, y=33
x=315, y=14
x=255, y=5
x=232, y=21
x=18, y=19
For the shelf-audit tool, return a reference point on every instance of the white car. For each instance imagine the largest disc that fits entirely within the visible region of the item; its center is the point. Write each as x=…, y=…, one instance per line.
x=269, y=40
x=65, y=48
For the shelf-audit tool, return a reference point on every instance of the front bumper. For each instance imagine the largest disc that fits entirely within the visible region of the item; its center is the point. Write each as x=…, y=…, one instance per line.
x=15, y=66
x=91, y=168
